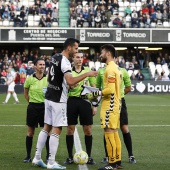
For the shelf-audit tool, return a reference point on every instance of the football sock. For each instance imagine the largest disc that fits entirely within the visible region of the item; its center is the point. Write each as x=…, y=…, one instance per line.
x=88, y=143
x=128, y=142
x=111, y=146
x=15, y=97
x=47, y=146
x=118, y=147
x=7, y=97
x=53, y=143
x=105, y=149
x=29, y=145
x=69, y=143
x=40, y=143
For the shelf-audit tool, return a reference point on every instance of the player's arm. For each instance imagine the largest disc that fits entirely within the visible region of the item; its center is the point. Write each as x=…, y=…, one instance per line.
x=111, y=79
x=26, y=91
x=98, y=81
x=74, y=80
x=127, y=82
x=127, y=89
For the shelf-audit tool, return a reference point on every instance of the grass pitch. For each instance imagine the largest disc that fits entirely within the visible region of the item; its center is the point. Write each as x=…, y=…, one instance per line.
x=149, y=125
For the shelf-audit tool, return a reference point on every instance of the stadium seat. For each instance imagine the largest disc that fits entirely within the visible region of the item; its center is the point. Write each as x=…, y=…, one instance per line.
x=135, y=72
x=91, y=64
x=158, y=68
x=6, y=23
x=126, y=3
x=103, y=65
x=166, y=24
x=97, y=65
x=110, y=24
x=30, y=23
x=153, y=25
x=130, y=72
x=54, y=24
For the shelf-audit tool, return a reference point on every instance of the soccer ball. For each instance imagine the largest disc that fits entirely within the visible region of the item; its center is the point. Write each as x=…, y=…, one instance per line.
x=80, y=157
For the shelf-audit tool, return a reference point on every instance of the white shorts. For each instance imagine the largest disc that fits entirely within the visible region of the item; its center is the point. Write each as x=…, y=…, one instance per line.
x=11, y=87
x=55, y=113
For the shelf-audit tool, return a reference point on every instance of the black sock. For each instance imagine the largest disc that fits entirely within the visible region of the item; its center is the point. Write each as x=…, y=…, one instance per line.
x=88, y=143
x=128, y=142
x=69, y=143
x=47, y=146
x=29, y=145
x=105, y=149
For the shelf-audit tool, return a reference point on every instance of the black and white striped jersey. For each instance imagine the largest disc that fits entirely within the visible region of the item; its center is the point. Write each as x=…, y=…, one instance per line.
x=57, y=87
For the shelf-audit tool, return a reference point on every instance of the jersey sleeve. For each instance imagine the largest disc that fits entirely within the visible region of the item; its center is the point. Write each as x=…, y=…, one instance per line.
x=65, y=66
x=126, y=78
x=99, y=80
x=110, y=78
x=27, y=82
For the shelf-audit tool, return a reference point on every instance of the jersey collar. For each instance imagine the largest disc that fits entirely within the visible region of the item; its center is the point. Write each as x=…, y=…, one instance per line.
x=74, y=69
x=34, y=75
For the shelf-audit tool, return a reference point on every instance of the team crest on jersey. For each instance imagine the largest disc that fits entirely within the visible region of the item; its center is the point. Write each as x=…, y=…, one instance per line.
x=54, y=61
x=111, y=79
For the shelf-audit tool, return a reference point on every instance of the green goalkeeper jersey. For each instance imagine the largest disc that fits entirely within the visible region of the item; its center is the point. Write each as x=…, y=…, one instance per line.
x=88, y=81
x=126, y=82
x=37, y=88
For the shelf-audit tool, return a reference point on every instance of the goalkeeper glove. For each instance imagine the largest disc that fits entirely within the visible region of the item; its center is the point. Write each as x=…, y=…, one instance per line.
x=92, y=96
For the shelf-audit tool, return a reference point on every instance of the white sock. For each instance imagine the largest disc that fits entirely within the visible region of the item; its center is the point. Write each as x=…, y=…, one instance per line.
x=15, y=97
x=53, y=144
x=7, y=97
x=42, y=137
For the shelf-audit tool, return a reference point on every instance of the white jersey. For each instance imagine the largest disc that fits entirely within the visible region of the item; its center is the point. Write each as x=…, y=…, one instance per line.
x=11, y=76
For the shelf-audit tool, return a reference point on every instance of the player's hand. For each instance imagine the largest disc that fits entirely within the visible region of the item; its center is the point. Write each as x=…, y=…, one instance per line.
x=94, y=109
x=93, y=96
x=92, y=73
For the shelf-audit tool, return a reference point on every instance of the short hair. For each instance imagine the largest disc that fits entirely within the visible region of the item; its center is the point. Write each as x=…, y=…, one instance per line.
x=70, y=42
x=38, y=59
x=110, y=48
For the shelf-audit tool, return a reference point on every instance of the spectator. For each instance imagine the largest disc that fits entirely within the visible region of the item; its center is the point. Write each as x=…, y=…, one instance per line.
x=80, y=21
x=139, y=76
x=6, y=15
x=22, y=69
x=98, y=21
x=127, y=11
x=48, y=21
x=131, y=66
x=115, y=7
x=22, y=16
x=22, y=77
x=147, y=21
x=164, y=15
x=79, y=10
x=17, y=21
x=42, y=21
x=135, y=21
x=91, y=20
x=117, y=22
x=141, y=59
x=85, y=15
x=136, y=66
x=159, y=16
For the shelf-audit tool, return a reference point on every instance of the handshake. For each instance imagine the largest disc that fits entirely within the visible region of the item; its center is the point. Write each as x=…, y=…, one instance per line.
x=92, y=97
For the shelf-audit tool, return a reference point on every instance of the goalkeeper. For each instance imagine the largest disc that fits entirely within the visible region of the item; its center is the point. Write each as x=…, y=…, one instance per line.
x=110, y=106
x=78, y=107
x=125, y=88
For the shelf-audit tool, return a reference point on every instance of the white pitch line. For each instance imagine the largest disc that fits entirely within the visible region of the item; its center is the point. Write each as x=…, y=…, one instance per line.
x=78, y=148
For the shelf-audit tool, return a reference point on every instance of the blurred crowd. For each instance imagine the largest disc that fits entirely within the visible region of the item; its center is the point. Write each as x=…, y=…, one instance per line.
x=134, y=61
x=122, y=13
x=88, y=13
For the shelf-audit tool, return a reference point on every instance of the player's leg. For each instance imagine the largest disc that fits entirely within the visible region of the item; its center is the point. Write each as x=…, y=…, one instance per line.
x=58, y=112
x=15, y=97
x=125, y=131
x=29, y=140
x=42, y=137
x=86, y=120
x=70, y=143
x=105, y=159
x=7, y=97
x=72, y=117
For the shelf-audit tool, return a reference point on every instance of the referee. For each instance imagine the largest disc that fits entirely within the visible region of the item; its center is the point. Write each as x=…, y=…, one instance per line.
x=78, y=107
x=34, y=91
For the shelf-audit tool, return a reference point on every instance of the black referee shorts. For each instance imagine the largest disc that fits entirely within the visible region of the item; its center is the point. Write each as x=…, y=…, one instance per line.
x=123, y=114
x=77, y=107
x=35, y=114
